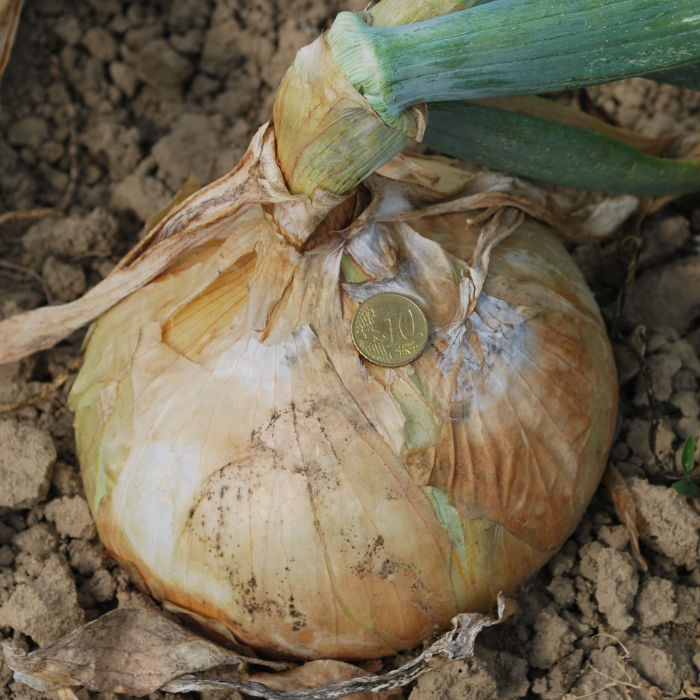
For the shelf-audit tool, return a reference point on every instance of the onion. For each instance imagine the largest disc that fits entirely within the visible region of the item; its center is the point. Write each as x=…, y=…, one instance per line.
x=246, y=464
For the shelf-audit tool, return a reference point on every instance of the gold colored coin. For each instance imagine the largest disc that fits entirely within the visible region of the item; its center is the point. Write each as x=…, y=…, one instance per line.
x=389, y=329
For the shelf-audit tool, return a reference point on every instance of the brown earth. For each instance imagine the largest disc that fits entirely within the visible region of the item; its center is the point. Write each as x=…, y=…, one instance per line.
x=105, y=109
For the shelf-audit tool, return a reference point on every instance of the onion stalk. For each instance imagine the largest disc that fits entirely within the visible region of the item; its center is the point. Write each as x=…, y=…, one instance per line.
x=501, y=48
x=508, y=47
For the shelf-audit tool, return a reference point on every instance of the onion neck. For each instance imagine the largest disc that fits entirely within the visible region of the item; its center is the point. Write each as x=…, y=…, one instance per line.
x=328, y=136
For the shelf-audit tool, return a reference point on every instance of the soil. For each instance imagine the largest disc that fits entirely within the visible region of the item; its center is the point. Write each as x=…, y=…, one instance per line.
x=105, y=109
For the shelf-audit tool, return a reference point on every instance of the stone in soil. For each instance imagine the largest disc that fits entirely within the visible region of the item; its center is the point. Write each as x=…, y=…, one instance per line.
x=10, y=382
x=140, y=193
x=657, y=665
x=663, y=236
x=85, y=557
x=606, y=675
x=101, y=44
x=113, y=144
x=71, y=517
x=160, y=66
x=75, y=236
x=123, y=76
x=63, y=281
x=46, y=608
x=656, y=603
x=688, y=603
x=675, y=289
x=553, y=639
x=616, y=587
x=27, y=456
x=39, y=540
x=30, y=131
x=667, y=523
x=489, y=674
x=192, y=147
x=101, y=586
x=557, y=682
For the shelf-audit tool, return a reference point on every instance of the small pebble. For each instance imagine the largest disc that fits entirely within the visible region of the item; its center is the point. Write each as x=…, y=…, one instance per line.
x=33, y=608
x=6, y=556
x=72, y=517
x=39, y=540
x=656, y=602
x=27, y=456
x=101, y=44
x=65, y=282
x=68, y=29
x=123, y=77
x=30, y=131
x=616, y=587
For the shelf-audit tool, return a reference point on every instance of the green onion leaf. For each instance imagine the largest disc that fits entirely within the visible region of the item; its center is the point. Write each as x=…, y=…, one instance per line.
x=684, y=77
x=513, y=47
x=540, y=108
x=554, y=152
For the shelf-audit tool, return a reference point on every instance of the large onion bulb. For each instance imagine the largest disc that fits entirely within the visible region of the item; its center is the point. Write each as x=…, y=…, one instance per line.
x=246, y=464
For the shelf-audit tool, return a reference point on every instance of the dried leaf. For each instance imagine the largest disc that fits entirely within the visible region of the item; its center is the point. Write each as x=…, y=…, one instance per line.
x=138, y=650
x=603, y=218
x=491, y=191
x=625, y=507
x=130, y=650
x=457, y=643
x=9, y=18
x=66, y=694
x=315, y=674
x=190, y=186
x=205, y=215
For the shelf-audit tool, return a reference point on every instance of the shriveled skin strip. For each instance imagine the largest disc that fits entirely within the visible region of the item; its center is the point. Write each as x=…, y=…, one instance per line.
x=208, y=213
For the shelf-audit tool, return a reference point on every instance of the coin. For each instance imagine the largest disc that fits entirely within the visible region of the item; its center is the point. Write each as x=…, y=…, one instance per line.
x=389, y=329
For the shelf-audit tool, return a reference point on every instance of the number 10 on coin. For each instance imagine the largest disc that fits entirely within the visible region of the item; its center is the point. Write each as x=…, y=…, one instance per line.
x=389, y=329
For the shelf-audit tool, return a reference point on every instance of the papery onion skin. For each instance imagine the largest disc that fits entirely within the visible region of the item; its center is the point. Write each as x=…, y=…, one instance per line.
x=246, y=464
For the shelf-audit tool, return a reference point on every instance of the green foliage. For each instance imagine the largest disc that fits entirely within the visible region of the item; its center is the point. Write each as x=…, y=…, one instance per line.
x=688, y=455
x=512, y=47
x=446, y=51
x=554, y=152
x=685, y=487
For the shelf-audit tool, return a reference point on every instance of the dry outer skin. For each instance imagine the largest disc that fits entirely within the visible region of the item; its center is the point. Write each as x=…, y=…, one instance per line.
x=336, y=458
x=236, y=65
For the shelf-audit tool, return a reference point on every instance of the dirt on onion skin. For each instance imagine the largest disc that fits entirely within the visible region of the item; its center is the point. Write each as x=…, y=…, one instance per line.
x=115, y=104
